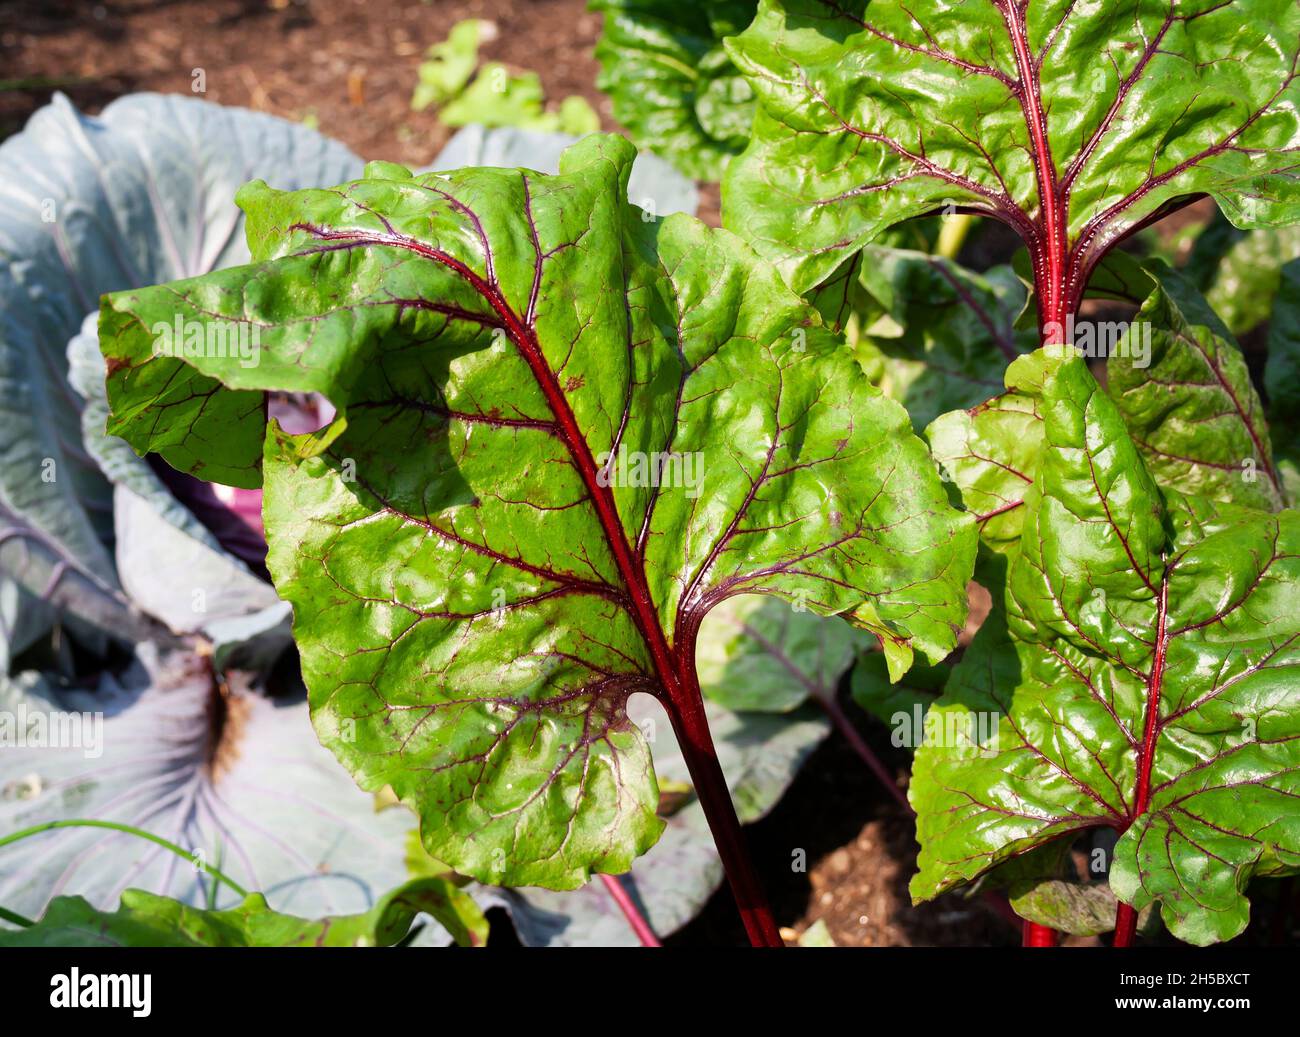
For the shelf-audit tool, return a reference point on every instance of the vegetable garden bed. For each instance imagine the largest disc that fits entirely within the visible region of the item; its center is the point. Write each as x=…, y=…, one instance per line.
x=532, y=448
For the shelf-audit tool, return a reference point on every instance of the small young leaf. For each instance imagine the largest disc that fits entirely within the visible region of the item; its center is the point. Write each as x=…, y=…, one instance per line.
x=991, y=452
x=449, y=65
x=1077, y=908
x=498, y=98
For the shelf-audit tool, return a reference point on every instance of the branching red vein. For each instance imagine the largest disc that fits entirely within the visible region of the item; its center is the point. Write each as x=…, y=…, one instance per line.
x=524, y=337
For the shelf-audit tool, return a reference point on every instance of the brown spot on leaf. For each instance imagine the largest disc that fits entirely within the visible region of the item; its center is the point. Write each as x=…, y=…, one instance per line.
x=227, y=716
x=574, y=383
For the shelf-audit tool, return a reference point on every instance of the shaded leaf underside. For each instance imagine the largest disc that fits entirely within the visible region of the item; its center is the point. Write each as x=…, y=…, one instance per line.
x=940, y=335
x=672, y=84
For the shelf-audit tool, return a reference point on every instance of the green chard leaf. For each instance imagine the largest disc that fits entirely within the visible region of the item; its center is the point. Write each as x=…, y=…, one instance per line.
x=759, y=662
x=761, y=753
x=497, y=97
x=481, y=567
x=671, y=82
x=1075, y=124
x=760, y=655
x=1077, y=908
x=1181, y=383
x=148, y=920
x=448, y=66
x=1141, y=675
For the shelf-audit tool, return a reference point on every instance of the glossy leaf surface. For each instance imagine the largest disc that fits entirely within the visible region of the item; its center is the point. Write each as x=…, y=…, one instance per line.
x=1142, y=677
x=481, y=569
x=760, y=753
x=1073, y=123
x=991, y=452
x=1182, y=385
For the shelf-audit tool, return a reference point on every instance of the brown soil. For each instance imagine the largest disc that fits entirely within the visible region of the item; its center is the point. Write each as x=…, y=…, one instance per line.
x=350, y=64
x=861, y=853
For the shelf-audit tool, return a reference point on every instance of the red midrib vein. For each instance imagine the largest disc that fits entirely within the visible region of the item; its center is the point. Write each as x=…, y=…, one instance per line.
x=525, y=340
x=1055, y=248
x=1151, y=728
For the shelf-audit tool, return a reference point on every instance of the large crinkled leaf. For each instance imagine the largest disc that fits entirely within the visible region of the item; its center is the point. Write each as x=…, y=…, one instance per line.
x=672, y=83
x=218, y=768
x=760, y=755
x=183, y=583
x=1074, y=123
x=147, y=920
x=942, y=335
x=480, y=574
x=1182, y=386
x=31, y=557
x=1143, y=677
x=137, y=195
